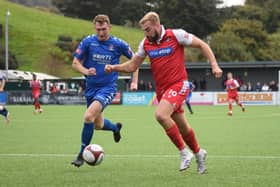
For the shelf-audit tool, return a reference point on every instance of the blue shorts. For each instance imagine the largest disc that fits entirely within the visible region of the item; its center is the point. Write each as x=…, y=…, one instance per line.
x=3, y=98
x=189, y=97
x=104, y=95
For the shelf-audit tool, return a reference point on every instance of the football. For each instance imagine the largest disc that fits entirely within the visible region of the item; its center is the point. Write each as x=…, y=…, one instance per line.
x=93, y=154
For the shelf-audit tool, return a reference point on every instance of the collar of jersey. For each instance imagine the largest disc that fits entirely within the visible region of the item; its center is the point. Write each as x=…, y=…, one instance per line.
x=162, y=34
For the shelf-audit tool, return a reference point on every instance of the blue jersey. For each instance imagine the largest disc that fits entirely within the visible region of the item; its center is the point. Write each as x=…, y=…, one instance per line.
x=2, y=77
x=191, y=87
x=97, y=54
x=3, y=95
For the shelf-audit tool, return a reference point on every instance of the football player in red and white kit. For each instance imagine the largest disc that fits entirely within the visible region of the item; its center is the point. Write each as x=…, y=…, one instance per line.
x=231, y=87
x=35, y=85
x=165, y=48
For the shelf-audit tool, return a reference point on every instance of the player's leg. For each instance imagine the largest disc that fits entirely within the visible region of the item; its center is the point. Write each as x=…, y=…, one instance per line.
x=102, y=123
x=163, y=116
x=189, y=105
x=230, y=101
x=4, y=112
x=240, y=104
x=93, y=111
x=37, y=105
x=34, y=103
x=105, y=96
x=190, y=139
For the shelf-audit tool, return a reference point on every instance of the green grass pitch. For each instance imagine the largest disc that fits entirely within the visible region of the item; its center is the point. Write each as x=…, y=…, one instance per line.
x=243, y=150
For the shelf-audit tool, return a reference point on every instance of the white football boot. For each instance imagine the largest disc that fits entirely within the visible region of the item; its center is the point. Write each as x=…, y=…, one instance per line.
x=186, y=157
x=200, y=160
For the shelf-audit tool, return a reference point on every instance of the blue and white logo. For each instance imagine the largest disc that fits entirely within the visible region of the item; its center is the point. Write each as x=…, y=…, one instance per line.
x=160, y=52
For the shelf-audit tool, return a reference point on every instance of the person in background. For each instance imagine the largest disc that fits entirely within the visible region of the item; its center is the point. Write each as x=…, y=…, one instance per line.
x=273, y=86
x=3, y=109
x=35, y=85
x=150, y=87
x=243, y=87
x=142, y=85
x=265, y=87
x=249, y=87
x=258, y=87
x=191, y=88
x=231, y=87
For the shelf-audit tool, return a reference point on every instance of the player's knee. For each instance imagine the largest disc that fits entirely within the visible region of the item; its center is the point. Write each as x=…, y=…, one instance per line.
x=160, y=117
x=88, y=118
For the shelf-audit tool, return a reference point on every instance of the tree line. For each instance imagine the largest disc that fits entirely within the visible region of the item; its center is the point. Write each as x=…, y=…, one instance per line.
x=239, y=33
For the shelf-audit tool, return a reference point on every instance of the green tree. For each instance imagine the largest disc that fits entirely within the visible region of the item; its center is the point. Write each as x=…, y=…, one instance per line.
x=251, y=12
x=253, y=36
x=272, y=7
x=236, y=51
x=129, y=12
x=195, y=16
x=85, y=9
x=274, y=46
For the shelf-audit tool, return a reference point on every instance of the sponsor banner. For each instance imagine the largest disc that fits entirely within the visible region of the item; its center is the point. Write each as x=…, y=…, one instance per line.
x=137, y=98
x=250, y=98
x=202, y=98
x=20, y=97
x=62, y=99
x=25, y=97
x=149, y=98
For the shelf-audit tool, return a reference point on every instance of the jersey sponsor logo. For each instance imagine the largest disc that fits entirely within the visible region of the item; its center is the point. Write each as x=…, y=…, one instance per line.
x=102, y=59
x=78, y=51
x=94, y=44
x=111, y=47
x=160, y=52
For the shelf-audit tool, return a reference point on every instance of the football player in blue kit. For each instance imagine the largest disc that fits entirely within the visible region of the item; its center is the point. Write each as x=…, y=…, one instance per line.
x=191, y=88
x=90, y=58
x=3, y=110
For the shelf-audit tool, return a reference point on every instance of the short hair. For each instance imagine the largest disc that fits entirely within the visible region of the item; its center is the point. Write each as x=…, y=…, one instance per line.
x=34, y=76
x=153, y=17
x=101, y=18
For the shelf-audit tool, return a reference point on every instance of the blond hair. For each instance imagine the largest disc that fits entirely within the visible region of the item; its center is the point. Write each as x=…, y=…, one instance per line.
x=101, y=18
x=153, y=17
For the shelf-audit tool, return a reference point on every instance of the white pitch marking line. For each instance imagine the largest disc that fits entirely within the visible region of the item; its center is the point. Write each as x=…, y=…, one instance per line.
x=142, y=156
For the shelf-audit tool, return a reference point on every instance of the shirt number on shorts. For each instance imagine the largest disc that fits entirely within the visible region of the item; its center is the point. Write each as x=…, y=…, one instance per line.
x=172, y=93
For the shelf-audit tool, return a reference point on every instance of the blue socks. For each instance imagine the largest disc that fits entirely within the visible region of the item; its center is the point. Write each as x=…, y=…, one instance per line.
x=109, y=126
x=88, y=130
x=87, y=134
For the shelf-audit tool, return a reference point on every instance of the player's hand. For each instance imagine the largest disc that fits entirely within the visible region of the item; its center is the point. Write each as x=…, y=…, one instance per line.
x=133, y=86
x=216, y=70
x=91, y=71
x=108, y=68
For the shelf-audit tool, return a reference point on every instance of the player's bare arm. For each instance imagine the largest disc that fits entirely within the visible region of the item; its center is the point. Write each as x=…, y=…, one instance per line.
x=127, y=67
x=2, y=85
x=208, y=53
x=134, y=82
x=77, y=65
